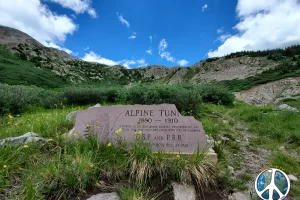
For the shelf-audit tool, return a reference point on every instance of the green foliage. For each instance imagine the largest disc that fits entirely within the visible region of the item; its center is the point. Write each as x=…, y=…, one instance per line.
x=83, y=96
x=16, y=99
x=216, y=95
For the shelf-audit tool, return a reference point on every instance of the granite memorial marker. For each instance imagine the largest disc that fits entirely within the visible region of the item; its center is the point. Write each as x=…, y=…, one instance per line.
x=162, y=126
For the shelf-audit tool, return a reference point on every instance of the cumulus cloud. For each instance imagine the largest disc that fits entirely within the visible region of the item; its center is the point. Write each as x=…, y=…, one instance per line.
x=204, y=7
x=123, y=20
x=93, y=57
x=182, y=62
x=263, y=25
x=78, y=6
x=35, y=19
x=86, y=48
x=133, y=36
x=149, y=51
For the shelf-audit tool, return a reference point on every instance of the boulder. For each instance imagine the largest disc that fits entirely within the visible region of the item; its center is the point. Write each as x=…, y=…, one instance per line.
x=212, y=157
x=97, y=105
x=231, y=170
x=184, y=192
x=71, y=116
x=239, y=196
x=26, y=138
x=105, y=196
x=287, y=108
x=292, y=177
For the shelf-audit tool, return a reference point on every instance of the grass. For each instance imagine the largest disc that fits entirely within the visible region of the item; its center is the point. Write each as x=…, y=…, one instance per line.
x=62, y=167
x=137, y=194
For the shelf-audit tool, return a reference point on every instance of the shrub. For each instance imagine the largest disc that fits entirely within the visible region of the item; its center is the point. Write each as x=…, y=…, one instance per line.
x=216, y=95
x=16, y=99
x=186, y=100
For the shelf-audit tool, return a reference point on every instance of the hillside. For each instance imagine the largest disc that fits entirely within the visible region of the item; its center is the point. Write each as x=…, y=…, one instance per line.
x=231, y=70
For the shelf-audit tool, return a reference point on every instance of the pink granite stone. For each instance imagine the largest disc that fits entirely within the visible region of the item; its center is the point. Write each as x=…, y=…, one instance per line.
x=161, y=125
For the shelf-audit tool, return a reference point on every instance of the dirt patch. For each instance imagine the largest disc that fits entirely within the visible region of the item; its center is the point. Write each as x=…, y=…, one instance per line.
x=268, y=93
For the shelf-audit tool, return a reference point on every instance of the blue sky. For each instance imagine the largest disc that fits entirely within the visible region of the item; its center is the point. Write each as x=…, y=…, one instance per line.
x=136, y=33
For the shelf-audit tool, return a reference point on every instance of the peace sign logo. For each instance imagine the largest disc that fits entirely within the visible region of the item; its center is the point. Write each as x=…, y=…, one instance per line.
x=272, y=184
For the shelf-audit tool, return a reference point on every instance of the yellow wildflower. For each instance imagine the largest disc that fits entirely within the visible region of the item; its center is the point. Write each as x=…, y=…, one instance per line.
x=140, y=132
x=87, y=125
x=8, y=122
x=219, y=142
x=74, y=134
x=4, y=166
x=119, y=131
x=16, y=124
x=109, y=144
x=135, y=133
x=92, y=165
x=25, y=146
x=10, y=116
x=178, y=156
x=50, y=139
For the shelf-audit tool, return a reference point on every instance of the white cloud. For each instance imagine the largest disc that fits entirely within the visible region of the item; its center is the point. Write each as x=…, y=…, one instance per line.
x=167, y=56
x=92, y=12
x=78, y=6
x=150, y=39
x=123, y=20
x=220, y=30
x=53, y=45
x=133, y=36
x=93, y=57
x=162, y=45
x=35, y=19
x=263, y=25
x=149, y=51
x=224, y=37
x=182, y=62
x=86, y=48
x=164, y=54
x=204, y=7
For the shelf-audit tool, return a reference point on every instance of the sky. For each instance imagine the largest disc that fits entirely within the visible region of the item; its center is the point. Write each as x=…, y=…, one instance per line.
x=138, y=33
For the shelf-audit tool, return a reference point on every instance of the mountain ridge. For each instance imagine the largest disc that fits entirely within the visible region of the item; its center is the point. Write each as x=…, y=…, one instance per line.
x=236, y=66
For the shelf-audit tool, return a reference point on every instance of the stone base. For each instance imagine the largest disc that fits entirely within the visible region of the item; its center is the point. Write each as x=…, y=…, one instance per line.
x=105, y=196
x=183, y=192
x=212, y=157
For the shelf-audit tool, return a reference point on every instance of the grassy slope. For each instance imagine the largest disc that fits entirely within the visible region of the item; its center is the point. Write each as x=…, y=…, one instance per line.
x=19, y=72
